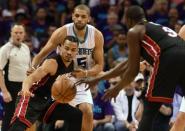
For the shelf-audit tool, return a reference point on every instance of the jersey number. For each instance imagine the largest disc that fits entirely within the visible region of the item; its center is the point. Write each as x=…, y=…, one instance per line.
x=82, y=62
x=170, y=31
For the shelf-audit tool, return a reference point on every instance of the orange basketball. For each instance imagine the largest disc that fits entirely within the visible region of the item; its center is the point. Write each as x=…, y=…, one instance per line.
x=63, y=89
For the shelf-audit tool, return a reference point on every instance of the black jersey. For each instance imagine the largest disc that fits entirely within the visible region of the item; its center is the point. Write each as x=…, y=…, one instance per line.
x=43, y=87
x=157, y=39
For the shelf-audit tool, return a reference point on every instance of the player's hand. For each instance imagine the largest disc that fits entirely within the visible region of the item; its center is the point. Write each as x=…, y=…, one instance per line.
x=91, y=82
x=25, y=92
x=110, y=93
x=59, y=124
x=6, y=96
x=79, y=73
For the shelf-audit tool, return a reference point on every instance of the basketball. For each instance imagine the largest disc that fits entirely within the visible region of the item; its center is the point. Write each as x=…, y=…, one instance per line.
x=63, y=89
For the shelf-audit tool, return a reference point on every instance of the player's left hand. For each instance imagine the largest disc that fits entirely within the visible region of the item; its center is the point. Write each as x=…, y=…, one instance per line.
x=79, y=73
x=110, y=93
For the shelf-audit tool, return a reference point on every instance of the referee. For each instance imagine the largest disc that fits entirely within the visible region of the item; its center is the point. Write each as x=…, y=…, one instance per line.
x=14, y=62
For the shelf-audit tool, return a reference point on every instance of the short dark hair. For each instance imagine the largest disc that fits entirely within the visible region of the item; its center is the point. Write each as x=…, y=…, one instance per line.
x=17, y=24
x=72, y=39
x=83, y=7
x=135, y=13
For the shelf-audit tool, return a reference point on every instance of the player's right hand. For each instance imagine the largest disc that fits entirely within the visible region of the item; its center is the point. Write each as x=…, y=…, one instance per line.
x=25, y=92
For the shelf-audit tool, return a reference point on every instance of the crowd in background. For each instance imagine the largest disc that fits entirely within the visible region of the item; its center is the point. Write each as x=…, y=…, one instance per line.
x=42, y=17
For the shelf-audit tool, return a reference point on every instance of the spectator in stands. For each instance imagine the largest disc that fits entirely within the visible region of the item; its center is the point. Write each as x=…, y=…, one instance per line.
x=158, y=13
x=40, y=24
x=119, y=51
x=173, y=16
x=102, y=112
x=125, y=115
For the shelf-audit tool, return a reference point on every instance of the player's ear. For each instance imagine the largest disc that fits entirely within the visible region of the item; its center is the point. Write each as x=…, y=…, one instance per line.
x=73, y=16
x=89, y=20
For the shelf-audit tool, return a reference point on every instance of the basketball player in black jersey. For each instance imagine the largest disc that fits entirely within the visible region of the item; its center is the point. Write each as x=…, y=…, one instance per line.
x=35, y=101
x=162, y=48
x=89, y=57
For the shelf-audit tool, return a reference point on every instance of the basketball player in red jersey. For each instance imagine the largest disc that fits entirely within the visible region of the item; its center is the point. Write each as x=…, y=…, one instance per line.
x=35, y=101
x=162, y=48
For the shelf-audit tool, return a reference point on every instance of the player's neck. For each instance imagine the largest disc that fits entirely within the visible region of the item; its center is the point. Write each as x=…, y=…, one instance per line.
x=80, y=33
x=66, y=63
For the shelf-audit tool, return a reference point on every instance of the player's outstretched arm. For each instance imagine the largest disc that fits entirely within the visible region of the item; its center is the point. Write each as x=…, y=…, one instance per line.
x=56, y=38
x=48, y=67
x=131, y=69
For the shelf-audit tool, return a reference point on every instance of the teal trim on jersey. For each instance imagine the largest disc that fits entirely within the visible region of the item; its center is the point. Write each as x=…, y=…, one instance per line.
x=85, y=37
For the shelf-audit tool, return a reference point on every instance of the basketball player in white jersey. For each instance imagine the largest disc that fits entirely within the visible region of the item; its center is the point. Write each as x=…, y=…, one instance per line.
x=89, y=59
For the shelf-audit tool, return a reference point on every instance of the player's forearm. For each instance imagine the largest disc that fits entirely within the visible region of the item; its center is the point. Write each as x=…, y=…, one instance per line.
x=95, y=70
x=27, y=83
x=117, y=71
x=126, y=78
x=37, y=60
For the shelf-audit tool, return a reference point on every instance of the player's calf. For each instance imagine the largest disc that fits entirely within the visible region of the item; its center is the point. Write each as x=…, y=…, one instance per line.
x=87, y=121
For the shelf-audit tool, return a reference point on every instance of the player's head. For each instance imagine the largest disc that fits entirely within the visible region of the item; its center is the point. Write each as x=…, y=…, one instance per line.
x=69, y=49
x=81, y=16
x=134, y=15
x=17, y=34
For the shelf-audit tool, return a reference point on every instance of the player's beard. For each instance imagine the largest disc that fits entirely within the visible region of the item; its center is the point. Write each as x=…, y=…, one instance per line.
x=80, y=27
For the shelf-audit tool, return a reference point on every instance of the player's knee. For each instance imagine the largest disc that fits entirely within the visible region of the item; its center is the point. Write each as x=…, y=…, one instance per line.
x=86, y=109
x=181, y=117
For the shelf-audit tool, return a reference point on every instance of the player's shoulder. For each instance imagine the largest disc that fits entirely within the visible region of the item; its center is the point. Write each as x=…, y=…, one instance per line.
x=50, y=63
x=61, y=29
x=60, y=32
x=68, y=25
x=137, y=30
x=64, y=27
x=97, y=32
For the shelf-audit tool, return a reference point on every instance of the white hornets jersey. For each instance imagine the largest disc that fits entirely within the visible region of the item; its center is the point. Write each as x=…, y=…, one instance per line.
x=85, y=48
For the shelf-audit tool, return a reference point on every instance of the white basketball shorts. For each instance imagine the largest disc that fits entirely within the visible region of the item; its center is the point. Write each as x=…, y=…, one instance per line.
x=182, y=107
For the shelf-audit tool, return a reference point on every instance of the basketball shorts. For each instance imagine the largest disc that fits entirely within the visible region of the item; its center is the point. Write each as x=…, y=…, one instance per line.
x=182, y=107
x=168, y=72
x=30, y=109
x=82, y=96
